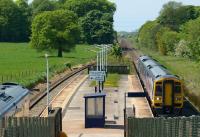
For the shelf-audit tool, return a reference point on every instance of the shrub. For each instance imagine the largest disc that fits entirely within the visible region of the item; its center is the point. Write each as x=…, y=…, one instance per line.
x=182, y=49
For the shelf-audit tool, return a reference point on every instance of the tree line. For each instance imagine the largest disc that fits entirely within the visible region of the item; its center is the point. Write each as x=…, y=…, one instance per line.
x=60, y=24
x=176, y=31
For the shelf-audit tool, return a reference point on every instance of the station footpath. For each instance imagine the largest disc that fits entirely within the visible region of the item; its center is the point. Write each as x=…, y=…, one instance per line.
x=73, y=118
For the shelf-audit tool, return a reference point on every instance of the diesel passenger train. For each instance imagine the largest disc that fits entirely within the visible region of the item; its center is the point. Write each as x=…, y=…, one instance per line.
x=165, y=90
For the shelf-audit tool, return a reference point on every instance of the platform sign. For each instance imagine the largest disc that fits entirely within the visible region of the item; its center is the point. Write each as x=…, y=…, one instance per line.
x=97, y=75
x=97, y=78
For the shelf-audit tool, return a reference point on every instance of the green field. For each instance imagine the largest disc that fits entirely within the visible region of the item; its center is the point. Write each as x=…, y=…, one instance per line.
x=186, y=69
x=20, y=63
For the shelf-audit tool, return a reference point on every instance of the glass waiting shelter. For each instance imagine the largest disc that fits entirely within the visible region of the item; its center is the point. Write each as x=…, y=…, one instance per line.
x=95, y=110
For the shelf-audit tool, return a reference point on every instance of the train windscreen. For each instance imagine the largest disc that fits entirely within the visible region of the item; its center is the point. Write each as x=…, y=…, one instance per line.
x=158, y=90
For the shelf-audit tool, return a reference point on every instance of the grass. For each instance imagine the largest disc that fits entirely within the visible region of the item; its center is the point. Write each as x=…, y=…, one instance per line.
x=111, y=81
x=20, y=63
x=187, y=70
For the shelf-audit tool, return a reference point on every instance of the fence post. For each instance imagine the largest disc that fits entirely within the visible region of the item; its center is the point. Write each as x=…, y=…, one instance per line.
x=173, y=127
x=2, y=132
x=198, y=126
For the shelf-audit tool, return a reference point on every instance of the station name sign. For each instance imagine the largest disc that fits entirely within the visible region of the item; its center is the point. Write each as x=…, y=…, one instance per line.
x=97, y=75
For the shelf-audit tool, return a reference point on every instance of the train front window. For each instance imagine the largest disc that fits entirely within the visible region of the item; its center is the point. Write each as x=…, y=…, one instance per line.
x=158, y=90
x=177, y=89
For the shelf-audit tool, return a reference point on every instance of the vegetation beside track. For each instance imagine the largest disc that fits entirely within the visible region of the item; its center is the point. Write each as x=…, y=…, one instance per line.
x=20, y=63
x=120, y=62
x=188, y=70
x=111, y=81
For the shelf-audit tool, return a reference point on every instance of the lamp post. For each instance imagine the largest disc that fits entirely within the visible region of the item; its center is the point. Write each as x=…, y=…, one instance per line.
x=97, y=61
x=101, y=63
x=47, y=75
x=106, y=60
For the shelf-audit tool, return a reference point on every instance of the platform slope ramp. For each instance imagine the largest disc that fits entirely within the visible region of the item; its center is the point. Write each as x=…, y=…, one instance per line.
x=138, y=101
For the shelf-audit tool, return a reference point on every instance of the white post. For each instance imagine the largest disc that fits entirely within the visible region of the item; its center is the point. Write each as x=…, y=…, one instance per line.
x=100, y=69
x=103, y=57
x=97, y=60
x=46, y=55
x=106, y=58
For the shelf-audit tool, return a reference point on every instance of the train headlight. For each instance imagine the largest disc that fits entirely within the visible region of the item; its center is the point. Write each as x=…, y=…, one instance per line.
x=178, y=98
x=158, y=98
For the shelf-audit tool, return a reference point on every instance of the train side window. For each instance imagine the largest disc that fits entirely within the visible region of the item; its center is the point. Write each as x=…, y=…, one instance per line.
x=158, y=90
x=177, y=89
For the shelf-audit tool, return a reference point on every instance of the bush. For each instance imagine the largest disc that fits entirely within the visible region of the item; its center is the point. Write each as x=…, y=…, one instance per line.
x=69, y=65
x=182, y=49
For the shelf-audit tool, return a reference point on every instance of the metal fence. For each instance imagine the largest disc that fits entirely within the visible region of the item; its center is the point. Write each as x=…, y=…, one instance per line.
x=32, y=126
x=163, y=127
x=120, y=69
x=27, y=74
x=16, y=76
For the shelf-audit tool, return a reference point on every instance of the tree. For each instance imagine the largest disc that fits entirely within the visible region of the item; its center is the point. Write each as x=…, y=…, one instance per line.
x=82, y=7
x=25, y=19
x=175, y=14
x=147, y=35
x=170, y=39
x=55, y=30
x=40, y=6
x=160, y=40
x=96, y=29
x=96, y=19
x=191, y=33
x=117, y=52
x=10, y=17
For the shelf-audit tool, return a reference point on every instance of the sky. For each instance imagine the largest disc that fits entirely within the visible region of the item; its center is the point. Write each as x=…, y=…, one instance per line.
x=132, y=14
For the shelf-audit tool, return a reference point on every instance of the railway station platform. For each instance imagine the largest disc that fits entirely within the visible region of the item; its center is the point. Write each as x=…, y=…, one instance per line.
x=74, y=116
x=142, y=108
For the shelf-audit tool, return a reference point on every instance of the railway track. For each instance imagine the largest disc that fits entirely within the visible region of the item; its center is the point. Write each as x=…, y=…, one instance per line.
x=38, y=105
x=188, y=110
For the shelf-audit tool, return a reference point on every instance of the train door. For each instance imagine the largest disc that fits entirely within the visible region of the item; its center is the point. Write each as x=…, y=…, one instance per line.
x=168, y=95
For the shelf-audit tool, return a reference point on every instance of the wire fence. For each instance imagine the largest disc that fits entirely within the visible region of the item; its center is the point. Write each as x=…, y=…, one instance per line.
x=15, y=77
x=163, y=127
x=30, y=76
